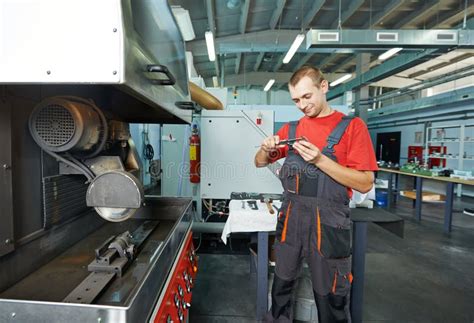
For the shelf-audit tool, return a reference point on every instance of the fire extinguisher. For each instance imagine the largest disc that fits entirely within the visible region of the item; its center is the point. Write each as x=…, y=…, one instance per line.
x=194, y=156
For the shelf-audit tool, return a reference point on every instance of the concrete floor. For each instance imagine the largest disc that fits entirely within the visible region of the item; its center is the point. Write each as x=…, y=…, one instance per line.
x=426, y=277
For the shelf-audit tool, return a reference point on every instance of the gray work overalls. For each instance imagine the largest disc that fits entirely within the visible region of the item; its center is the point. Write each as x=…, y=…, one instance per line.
x=313, y=223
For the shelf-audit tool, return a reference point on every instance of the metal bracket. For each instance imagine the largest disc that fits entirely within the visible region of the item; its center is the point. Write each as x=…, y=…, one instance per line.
x=112, y=257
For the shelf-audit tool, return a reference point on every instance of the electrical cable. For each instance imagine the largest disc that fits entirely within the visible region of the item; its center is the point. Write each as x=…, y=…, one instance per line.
x=80, y=164
x=148, y=152
x=69, y=163
x=199, y=244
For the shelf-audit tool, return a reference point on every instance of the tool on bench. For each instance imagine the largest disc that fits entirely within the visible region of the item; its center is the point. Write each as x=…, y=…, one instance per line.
x=253, y=204
x=268, y=200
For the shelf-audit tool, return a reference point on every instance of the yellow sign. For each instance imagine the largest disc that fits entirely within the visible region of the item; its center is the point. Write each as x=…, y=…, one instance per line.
x=192, y=152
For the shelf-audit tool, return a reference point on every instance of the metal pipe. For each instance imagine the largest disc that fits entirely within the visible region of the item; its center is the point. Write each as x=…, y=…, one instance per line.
x=388, y=124
x=463, y=72
x=208, y=227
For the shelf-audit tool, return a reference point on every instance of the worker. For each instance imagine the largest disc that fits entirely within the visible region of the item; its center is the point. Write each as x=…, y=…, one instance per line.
x=333, y=155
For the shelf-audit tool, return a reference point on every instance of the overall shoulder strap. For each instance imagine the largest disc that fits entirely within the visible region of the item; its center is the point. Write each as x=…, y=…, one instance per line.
x=292, y=132
x=336, y=136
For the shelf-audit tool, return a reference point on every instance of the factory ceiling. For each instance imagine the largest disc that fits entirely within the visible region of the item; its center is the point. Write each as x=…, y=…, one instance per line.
x=252, y=37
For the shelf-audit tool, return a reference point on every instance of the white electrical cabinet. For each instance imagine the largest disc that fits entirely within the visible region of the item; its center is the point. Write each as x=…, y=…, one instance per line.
x=229, y=141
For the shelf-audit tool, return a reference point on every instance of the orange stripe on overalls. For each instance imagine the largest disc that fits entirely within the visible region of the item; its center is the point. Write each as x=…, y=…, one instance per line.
x=285, y=226
x=318, y=228
x=350, y=278
x=334, y=283
x=297, y=183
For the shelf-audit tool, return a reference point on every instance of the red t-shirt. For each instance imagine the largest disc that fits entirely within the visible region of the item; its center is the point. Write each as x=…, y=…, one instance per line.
x=355, y=149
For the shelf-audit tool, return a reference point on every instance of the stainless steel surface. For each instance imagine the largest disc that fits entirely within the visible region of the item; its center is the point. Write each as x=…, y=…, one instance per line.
x=103, y=164
x=44, y=246
x=152, y=37
x=128, y=299
x=6, y=198
x=114, y=194
x=121, y=39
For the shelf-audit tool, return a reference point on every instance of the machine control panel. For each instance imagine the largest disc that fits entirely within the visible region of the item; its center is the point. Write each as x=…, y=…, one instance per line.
x=177, y=300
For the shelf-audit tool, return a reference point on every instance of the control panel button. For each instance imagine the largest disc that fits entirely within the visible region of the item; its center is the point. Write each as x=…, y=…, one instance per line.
x=176, y=300
x=186, y=305
x=180, y=291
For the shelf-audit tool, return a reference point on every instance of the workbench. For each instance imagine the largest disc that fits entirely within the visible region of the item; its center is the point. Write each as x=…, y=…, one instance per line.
x=448, y=204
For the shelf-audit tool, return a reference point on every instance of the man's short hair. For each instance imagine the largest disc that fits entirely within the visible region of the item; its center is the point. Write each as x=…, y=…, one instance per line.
x=312, y=72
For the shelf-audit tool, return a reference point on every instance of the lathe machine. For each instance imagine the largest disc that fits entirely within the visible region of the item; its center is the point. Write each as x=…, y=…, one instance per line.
x=80, y=241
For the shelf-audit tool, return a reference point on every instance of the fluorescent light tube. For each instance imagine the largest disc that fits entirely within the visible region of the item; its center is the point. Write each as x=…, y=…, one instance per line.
x=184, y=22
x=211, y=51
x=389, y=53
x=269, y=85
x=293, y=48
x=341, y=79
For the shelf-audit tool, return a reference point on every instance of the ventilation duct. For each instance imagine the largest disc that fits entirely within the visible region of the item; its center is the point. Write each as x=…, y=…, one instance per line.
x=347, y=38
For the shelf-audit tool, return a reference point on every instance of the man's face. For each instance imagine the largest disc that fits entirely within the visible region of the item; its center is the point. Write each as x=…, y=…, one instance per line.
x=310, y=99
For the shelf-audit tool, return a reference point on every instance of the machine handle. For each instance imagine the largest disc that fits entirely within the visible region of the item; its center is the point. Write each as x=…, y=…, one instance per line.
x=164, y=70
x=186, y=105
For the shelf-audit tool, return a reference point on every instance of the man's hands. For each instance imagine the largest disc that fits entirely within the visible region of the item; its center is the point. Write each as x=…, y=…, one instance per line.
x=308, y=151
x=268, y=150
x=270, y=143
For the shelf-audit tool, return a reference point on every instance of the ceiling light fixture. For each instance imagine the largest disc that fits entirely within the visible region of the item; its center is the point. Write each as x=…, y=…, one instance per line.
x=211, y=51
x=293, y=48
x=269, y=84
x=234, y=4
x=389, y=53
x=184, y=22
x=215, y=81
x=341, y=79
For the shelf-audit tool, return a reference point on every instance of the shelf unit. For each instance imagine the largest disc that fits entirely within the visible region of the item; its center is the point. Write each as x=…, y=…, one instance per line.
x=459, y=136
x=456, y=138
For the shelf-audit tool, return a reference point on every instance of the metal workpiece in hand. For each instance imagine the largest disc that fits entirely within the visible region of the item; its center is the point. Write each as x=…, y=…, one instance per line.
x=292, y=141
